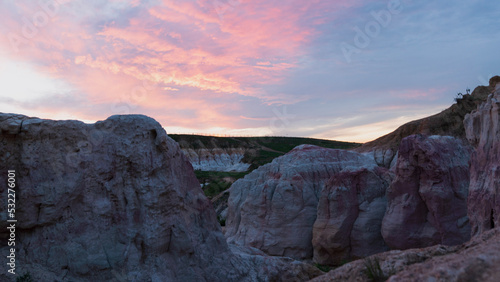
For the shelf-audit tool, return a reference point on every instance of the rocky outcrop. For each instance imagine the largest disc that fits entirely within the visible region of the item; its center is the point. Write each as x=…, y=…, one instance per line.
x=483, y=132
x=350, y=212
x=428, y=198
x=476, y=260
x=116, y=200
x=217, y=159
x=274, y=207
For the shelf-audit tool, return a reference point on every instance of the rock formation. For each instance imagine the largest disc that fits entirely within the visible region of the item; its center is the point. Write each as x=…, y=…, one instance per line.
x=217, y=159
x=350, y=212
x=428, y=198
x=483, y=132
x=274, y=207
x=116, y=200
x=426, y=201
x=476, y=260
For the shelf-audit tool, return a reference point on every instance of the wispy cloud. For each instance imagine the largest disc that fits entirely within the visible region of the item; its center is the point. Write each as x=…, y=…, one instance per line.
x=206, y=65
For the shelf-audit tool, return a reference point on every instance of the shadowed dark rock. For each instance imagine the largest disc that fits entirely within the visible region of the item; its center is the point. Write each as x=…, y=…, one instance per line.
x=428, y=198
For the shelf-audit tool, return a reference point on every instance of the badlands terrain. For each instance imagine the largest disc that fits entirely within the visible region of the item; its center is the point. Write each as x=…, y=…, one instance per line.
x=119, y=200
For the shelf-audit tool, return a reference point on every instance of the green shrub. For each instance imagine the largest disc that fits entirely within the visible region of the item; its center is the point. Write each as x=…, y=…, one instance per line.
x=374, y=271
x=26, y=277
x=222, y=221
x=324, y=268
x=215, y=188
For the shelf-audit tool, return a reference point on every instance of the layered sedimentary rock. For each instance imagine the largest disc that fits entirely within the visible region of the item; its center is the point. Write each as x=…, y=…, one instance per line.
x=217, y=159
x=428, y=199
x=274, y=207
x=483, y=132
x=476, y=260
x=116, y=200
x=350, y=212
x=383, y=157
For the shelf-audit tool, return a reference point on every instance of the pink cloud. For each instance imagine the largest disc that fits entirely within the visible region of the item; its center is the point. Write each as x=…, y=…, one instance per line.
x=204, y=51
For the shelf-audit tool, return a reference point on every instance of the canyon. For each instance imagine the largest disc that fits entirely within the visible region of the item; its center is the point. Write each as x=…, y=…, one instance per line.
x=119, y=200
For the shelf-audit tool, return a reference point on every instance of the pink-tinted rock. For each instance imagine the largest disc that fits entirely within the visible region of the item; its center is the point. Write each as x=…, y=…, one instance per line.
x=350, y=212
x=274, y=207
x=428, y=198
x=483, y=132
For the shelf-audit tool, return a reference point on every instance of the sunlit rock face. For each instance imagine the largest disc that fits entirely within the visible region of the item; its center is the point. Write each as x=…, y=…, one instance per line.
x=116, y=200
x=275, y=207
x=483, y=132
x=427, y=201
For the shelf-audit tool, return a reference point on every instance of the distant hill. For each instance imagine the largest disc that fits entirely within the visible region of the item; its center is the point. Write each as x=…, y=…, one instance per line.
x=448, y=122
x=255, y=151
x=259, y=150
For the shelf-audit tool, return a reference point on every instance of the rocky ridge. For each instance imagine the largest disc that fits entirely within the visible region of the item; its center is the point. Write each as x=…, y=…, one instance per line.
x=447, y=123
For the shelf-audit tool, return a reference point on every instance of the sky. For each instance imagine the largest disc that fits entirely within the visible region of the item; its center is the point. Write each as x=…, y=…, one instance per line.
x=344, y=70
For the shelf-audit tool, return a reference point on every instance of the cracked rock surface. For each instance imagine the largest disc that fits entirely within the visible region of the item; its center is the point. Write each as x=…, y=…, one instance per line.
x=117, y=200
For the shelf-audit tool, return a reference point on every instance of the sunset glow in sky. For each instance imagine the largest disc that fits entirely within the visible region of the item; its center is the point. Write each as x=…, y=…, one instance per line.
x=345, y=70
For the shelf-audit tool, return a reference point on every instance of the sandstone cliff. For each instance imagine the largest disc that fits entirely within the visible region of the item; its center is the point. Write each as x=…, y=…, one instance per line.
x=116, y=200
x=483, y=132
